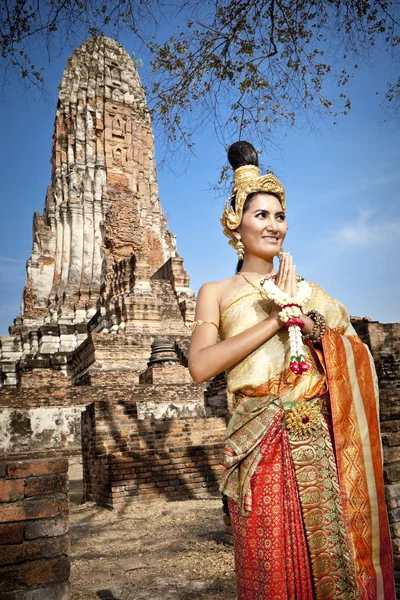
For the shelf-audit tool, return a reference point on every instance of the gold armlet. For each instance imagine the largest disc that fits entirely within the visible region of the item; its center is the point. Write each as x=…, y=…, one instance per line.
x=200, y=322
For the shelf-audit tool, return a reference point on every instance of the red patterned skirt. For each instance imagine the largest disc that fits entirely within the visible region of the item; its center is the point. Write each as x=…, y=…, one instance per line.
x=281, y=548
x=271, y=556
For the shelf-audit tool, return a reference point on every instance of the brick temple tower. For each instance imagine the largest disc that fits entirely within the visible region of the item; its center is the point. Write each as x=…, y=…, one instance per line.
x=95, y=366
x=102, y=257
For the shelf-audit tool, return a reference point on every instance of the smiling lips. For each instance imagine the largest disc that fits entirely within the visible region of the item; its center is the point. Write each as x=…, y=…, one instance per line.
x=271, y=238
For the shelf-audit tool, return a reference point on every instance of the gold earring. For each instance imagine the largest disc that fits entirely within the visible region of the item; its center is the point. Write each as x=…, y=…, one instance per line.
x=240, y=249
x=280, y=253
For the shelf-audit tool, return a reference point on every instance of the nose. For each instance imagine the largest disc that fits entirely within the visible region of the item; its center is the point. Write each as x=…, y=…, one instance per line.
x=271, y=226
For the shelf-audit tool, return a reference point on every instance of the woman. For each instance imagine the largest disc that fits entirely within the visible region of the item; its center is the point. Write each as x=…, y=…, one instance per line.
x=303, y=455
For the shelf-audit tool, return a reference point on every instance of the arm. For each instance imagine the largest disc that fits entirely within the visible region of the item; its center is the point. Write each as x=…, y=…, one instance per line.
x=206, y=357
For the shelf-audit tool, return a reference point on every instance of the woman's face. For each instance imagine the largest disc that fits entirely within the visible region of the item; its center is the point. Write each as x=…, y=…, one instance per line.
x=263, y=226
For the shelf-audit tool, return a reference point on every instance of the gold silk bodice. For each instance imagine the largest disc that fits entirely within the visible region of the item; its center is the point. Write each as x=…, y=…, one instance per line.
x=269, y=363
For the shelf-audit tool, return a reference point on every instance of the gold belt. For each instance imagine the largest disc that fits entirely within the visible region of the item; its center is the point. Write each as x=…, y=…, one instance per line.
x=299, y=417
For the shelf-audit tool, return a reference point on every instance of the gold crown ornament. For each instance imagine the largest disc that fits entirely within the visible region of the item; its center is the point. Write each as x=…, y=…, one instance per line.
x=247, y=180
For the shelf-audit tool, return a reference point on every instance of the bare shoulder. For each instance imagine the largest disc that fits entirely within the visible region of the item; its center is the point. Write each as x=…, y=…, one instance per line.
x=221, y=290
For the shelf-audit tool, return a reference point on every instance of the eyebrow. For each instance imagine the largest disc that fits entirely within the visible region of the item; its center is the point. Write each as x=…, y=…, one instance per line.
x=278, y=212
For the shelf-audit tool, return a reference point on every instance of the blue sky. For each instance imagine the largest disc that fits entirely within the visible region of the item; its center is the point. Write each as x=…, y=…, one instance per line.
x=342, y=184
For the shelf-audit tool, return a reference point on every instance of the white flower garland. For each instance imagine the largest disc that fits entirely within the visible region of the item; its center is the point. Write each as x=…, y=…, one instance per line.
x=292, y=307
x=280, y=298
x=288, y=312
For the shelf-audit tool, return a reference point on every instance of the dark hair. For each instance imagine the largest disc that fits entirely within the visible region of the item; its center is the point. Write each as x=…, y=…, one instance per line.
x=240, y=154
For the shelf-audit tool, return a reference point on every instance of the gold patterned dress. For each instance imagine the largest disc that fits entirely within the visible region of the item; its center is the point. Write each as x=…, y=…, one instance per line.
x=303, y=463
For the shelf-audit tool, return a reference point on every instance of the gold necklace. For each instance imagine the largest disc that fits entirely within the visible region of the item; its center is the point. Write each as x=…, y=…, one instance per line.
x=298, y=278
x=261, y=283
x=248, y=273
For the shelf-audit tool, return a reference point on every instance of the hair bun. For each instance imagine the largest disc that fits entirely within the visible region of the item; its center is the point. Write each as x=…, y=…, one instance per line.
x=241, y=154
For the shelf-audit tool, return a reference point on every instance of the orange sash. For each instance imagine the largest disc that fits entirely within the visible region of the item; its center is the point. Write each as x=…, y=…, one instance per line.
x=354, y=403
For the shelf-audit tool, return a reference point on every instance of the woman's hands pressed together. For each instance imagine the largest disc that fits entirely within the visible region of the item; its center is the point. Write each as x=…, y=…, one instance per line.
x=285, y=281
x=286, y=277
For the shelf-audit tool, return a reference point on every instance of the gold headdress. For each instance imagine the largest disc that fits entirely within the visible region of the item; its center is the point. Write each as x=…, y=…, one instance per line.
x=247, y=180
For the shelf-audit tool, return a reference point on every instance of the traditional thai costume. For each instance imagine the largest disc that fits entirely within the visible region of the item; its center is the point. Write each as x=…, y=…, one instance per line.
x=303, y=467
x=303, y=463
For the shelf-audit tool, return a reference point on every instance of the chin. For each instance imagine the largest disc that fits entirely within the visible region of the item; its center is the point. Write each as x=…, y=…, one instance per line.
x=268, y=256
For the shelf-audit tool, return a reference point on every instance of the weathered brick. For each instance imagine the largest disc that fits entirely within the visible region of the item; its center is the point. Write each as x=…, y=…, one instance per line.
x=46, y=571
x=394, y=515
x=391, y=454
x=35, y=508
x=10, y=578
x=392, y=491
x=46, y=527
x=37, y=467
x=392, y=473
x=11, y=490
x=11, y=533
x=50, y=484
x=34, y=550
x=395, y=529
x=60, y=591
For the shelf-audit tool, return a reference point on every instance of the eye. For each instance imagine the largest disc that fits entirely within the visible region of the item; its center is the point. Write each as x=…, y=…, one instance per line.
x=261, y=214
x=281, y=217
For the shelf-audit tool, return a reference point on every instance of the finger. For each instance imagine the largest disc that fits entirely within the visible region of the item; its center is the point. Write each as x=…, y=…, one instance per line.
x=281, y=270
x=284, y=277
x=294, y=282
x=290, y=270
x=291, y=278
x=288, y=275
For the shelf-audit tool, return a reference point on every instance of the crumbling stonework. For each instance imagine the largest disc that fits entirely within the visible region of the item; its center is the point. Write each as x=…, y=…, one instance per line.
x=103, y=282
x=104, y=278
x=103, y=233
x=159, y=443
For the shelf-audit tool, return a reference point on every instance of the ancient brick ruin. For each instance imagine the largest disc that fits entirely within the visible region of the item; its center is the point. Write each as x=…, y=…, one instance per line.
x=34, y=541
x=102, y=257
x=101, y=343
x=95, y=366
x=104, y=278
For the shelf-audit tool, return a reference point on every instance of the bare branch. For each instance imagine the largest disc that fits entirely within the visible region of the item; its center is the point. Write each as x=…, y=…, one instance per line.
x=247, y=66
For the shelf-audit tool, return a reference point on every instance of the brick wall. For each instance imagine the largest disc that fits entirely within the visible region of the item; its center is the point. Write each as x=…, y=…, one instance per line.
x=216, y=400
x=34, y=541
x=47, y=418
x=131, y=460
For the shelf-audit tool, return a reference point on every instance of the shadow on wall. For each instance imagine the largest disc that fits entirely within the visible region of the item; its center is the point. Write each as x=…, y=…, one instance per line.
x=187, y=463
x=172, y=458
